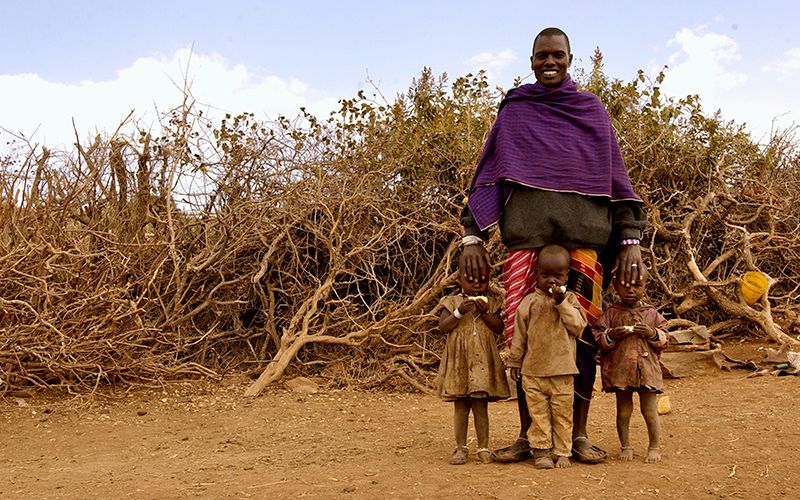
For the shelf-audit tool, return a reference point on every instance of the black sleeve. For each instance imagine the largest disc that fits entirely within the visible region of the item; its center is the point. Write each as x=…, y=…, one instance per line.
x=470, y=226
x=628, y=219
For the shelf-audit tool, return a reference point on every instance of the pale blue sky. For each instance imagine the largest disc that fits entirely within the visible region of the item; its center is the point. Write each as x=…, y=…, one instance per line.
x=94, y=61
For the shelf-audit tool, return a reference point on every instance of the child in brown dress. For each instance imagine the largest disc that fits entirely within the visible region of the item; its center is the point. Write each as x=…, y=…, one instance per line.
x=631, y=335
x=471, y=373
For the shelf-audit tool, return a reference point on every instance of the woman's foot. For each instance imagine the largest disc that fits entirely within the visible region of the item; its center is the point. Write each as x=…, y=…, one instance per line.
x=517, y=452
x=653, y=456
x=563, y=463
x=626, y=453
x=484, y=455
x=460, y=455
x=584, y=451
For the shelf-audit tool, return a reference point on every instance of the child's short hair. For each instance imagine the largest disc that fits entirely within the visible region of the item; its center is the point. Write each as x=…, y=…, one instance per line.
x=553, y=249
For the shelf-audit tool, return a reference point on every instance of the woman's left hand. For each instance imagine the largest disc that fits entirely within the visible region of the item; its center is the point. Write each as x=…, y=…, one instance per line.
x=629, y=266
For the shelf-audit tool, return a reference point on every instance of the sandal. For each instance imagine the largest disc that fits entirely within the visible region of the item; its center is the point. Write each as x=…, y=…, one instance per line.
x=460, y=455
x=517, y=452
x=484, y=455
x=582, y=456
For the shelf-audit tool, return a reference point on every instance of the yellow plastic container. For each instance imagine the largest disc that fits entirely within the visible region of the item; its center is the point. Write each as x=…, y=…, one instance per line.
x=753, y=285
x=663, y=405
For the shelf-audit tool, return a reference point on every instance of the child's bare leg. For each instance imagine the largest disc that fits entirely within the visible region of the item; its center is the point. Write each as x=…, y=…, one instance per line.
x=480, y=412
x=461, y=420
x=624, y=410
x=649, y=405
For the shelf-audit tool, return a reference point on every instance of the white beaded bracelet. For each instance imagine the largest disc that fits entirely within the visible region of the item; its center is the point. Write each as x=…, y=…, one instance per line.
x=471, y=239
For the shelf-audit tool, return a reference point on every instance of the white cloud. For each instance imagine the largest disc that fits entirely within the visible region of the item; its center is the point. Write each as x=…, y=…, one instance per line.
x=702, y=63
x=711, y=65
x=43, y=110
x=493, y=63
x=788, y=65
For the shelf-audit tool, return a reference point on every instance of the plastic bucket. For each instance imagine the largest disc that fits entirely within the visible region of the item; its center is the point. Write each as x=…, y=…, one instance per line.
x=752, y=286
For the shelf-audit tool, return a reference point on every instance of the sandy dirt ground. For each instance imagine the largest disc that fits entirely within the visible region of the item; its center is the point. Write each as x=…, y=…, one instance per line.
x=727, y=437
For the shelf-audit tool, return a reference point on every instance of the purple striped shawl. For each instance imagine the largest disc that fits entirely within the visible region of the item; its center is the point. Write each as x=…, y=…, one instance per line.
x=556, y=139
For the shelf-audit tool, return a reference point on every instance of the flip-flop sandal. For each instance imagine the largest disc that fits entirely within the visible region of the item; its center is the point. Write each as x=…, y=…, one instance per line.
x=517, y=452
x=581, y=456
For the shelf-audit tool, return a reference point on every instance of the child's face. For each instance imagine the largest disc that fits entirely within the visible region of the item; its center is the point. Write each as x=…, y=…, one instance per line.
x=630, y=295
x=473, y=287
x=552, y=271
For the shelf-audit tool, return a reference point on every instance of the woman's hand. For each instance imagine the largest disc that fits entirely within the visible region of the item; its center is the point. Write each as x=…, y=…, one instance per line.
x=475, y=262
x=629, y=266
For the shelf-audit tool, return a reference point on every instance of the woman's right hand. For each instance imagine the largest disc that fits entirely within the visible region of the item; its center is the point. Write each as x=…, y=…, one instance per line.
x=475, y=262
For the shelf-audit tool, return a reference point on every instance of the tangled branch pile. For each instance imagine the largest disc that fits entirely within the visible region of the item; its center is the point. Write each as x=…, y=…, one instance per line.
x=718, y=205
x=325, y=246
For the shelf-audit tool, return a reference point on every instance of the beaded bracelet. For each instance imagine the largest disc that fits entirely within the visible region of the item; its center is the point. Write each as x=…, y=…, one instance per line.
x=630, y=241
x=471, y=239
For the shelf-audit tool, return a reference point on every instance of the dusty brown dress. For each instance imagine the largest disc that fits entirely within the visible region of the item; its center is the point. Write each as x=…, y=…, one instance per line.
x=631, y=362
x=471, y=364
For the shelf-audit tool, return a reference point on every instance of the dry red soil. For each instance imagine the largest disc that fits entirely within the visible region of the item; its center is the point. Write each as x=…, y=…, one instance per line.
x=727, y=436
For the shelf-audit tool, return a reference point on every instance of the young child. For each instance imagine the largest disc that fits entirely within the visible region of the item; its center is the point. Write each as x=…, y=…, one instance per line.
x=471, y=373
x=543, y=354
x=631, y=336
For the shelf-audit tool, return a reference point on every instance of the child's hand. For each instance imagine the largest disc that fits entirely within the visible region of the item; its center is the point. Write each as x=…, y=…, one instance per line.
x=645, y=331
x=558, y=292
x=619, y=332
x=467, y=306
x=481, y=304
x=515, y=374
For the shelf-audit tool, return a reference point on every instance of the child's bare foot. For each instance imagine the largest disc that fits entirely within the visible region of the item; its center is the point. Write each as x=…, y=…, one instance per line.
x=563, y=463
x=626, y=453
x=653, y=456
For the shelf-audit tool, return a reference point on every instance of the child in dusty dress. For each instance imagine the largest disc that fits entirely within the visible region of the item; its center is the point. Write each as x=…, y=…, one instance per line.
x=471, y=373
x=631, y=335
x=546, y=326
